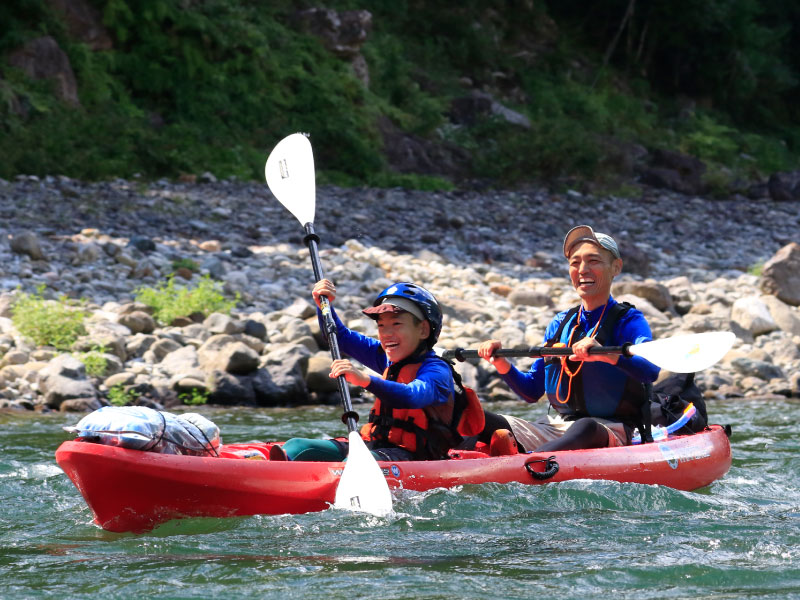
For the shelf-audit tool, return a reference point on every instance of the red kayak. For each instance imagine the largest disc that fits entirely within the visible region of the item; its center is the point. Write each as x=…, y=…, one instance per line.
x=131, y=490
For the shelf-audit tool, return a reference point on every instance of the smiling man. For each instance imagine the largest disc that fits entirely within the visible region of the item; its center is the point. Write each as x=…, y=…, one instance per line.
x=596, y=400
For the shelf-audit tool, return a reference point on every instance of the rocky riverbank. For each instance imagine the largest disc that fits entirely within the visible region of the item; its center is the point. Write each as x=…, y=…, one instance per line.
x=492, y=258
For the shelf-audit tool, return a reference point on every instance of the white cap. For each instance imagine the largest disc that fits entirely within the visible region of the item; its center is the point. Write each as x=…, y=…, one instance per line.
x=584, y=233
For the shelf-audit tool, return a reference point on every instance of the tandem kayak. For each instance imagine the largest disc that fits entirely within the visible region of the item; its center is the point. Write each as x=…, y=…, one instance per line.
x=132, y=490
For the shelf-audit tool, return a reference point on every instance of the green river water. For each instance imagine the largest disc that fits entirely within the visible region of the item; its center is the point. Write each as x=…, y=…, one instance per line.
x=739, y=538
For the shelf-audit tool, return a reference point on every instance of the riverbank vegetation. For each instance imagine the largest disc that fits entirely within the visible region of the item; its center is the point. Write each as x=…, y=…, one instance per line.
x=189, y=87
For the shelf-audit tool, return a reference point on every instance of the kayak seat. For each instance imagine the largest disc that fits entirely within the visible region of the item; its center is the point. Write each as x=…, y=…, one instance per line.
x=246, y=451
x=503, y=443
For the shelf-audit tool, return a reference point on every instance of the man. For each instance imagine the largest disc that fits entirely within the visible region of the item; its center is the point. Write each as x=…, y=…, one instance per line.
x=597, y=399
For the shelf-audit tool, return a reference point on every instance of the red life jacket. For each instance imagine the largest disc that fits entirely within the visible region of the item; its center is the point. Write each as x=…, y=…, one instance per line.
x=428, y=432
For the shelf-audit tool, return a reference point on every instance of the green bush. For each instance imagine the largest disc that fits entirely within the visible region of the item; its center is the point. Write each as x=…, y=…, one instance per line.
x=94, y=361
x=195, y=397
x=212, y=86
x=170, y=301
x=57, y=323
x=119, y=396
x=185, y=263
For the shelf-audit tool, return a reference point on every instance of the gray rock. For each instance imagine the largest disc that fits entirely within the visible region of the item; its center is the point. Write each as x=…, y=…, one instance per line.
x=752, y=314
x=220, y=323
x=781, y=275
x=160, y=349
x=756, y=368
x=786, y=317
x=84, y=405
x=119, y=379
x=58, y=388
x=64, y=365
x=229, y=389
x=138, y=321
x=27, y=242
x=318, y=374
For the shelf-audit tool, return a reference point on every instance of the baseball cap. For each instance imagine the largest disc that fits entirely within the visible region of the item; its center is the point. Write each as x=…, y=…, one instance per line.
x=396, y=305
x=584, y=233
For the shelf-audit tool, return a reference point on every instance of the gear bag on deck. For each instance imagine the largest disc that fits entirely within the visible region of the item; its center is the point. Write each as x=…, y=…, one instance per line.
x=143, y=428
x=670, y=398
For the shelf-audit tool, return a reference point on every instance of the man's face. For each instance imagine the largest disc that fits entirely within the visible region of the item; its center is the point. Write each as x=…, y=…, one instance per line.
x=399, y=335
x=591, y=270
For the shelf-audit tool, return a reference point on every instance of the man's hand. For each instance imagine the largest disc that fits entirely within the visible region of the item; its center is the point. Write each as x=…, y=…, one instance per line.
x=580, y=351
x=486, y=351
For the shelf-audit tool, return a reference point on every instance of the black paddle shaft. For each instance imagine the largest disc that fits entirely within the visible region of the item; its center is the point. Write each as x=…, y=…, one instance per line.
x=534, y=352
x=350, y=417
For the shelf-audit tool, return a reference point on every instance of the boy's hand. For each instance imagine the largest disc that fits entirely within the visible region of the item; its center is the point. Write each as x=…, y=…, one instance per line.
x=324, y=287
x=351, y=374
x=486, y=352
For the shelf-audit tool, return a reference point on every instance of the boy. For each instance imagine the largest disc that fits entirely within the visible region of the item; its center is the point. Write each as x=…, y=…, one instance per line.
x=414, y=416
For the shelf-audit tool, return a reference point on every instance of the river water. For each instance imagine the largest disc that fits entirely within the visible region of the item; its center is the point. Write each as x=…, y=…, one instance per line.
x=739, y=538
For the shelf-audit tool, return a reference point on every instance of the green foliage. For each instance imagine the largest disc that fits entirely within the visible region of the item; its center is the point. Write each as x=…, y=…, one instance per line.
x=170, y=301
x=185, y=263
x=756, y=269
x=94, y=361
x=119, y=396
x=56, y=323
x=196, y=86
x=194, y=397
x=750, y=154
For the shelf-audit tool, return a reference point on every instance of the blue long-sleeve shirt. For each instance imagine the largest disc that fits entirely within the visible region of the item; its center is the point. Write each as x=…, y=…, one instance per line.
x=604, y=384
x=432, y=385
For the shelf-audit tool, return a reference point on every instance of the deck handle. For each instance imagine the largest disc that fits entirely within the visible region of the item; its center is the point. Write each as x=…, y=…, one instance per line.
x=550, y=468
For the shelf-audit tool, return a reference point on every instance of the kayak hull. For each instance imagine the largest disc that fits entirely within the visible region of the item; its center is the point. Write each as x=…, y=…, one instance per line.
x=131, y=490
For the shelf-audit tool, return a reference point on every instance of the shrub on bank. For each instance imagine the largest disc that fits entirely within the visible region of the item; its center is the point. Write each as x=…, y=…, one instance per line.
x=58, y=323
x=170, y=301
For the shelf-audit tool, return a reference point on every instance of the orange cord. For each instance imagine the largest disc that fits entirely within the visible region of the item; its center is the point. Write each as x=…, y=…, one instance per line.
x=564, y=367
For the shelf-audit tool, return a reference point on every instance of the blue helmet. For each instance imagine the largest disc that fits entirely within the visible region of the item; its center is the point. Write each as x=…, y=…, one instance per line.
x=421, y=298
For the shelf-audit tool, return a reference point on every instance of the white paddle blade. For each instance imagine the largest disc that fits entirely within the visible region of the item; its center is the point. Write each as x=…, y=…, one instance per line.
x=686, y=353
x=363, y=487
x=290, y=176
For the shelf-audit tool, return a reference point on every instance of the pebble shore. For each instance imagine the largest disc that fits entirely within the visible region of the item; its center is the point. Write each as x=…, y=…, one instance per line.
x=492, y=258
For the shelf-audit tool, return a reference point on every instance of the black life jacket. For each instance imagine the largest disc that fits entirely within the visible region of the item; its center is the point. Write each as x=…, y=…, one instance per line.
x=634, y=406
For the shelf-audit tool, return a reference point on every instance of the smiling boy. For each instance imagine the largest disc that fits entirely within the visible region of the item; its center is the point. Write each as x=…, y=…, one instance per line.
x=597, y=398
x=414, y=415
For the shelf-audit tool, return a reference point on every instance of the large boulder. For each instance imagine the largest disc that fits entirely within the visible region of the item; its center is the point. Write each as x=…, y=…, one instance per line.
x=64, y=378
x=784, y=186
x=675, y=171
x=786, y=317
x=225, y=353
x=781, y=275
x=342, y=33
x=27, y=242
x=84, y=23
x=42, y=58
x=750, y=313
x=655, y=293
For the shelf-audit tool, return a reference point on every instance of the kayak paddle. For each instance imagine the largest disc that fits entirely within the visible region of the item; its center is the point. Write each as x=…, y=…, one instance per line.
x=290, y=176
x=679, y=354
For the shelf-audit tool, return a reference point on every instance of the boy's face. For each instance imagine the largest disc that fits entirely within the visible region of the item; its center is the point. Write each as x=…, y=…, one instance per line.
x=398, y=334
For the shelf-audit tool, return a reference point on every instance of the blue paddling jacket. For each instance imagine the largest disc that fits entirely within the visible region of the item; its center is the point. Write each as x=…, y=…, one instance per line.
x=614, y=392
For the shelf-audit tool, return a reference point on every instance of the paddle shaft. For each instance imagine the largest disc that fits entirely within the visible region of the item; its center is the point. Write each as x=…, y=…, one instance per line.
x=534, y=352
x=311, y=240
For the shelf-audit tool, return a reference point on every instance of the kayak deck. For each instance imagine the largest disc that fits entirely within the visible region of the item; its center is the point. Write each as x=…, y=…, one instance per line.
x=131, y=490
